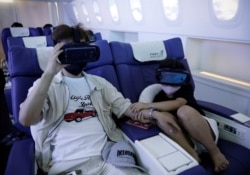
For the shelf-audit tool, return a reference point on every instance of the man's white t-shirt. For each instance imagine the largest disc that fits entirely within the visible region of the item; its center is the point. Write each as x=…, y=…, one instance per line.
x=75, y=140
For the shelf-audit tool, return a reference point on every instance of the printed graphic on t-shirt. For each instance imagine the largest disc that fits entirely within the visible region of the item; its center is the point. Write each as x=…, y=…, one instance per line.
x=85, y=109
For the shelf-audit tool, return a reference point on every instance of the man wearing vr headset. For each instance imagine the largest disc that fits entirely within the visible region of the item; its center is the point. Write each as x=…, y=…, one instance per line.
x=176, y=112
x=56, y=108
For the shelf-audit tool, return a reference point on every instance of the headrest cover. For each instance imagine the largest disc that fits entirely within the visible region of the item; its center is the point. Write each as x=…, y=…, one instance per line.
x=75, y=53
x=19, y=31
x=172, y=77
x=35, y=41
x=120, y=154
x=149, y=51
x=43, y=55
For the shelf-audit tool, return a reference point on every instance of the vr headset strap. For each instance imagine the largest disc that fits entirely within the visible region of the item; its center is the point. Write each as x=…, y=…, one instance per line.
x=76, y=34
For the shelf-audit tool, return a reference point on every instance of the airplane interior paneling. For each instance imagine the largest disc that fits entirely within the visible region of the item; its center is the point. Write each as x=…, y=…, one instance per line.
x=210, y=37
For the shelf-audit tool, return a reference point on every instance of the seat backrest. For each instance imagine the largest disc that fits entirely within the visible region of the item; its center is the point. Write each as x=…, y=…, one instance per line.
x=29, y=42
x=104, y=67
x=17, y=32
x=134, y=75
x=47, y=31
x=98, y=36
x=23, y=75
x=24, y=69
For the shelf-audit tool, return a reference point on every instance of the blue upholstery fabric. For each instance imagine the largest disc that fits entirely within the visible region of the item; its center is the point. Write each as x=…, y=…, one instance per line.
x=98, y=36
x=104, y=66
x=134, y=76
x=22, y=77
x=18, y=41
x=21, y=158
x=47, y=31
x=6, y=34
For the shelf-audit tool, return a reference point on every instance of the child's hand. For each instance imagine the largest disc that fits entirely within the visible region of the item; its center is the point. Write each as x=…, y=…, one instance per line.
x=167, y=122
x=142, y=116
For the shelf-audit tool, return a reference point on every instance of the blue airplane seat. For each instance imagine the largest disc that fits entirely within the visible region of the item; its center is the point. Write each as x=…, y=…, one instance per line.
x=16, y=32
x=134, y=76
x=29, y=42
x=98, y=36
x=47, y=31
x=21, y=159
x=139, y=74
x=40, y=29
x=104, y=66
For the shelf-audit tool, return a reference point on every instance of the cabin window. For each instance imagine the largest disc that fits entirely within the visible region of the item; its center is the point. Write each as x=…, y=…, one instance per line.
x=113, y=10
x=136, y=10
x=171, y=9
x=76, y=13
x=97, y=11
x=85, y=12
x=225, y=9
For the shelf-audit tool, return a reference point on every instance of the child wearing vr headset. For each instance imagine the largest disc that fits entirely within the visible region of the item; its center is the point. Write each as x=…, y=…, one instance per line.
x=176, y=112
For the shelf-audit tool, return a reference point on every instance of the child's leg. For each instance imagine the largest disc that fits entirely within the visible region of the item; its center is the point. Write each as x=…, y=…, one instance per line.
x=197, y=126
x=164, y=120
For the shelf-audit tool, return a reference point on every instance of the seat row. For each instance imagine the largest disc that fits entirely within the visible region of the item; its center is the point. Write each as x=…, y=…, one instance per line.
x=130, y=67
x=13, y=32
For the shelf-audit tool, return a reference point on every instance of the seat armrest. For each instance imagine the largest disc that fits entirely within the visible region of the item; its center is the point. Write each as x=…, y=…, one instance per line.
x=135, y=133
x=232, y=126
x=224, y=112
x=21, y=158
x=215, y=108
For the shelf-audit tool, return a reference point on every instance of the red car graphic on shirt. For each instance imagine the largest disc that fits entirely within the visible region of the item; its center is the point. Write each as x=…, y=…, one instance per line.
x=80, y=114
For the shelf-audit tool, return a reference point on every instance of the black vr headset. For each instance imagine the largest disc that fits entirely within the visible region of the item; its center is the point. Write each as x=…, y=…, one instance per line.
x=78, y=52
x=172, y=77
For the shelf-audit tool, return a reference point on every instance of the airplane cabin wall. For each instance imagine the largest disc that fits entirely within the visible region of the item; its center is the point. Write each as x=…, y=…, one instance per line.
x=212, y=45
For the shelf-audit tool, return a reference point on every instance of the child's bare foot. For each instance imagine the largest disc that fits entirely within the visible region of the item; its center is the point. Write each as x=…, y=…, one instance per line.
x=220, y=162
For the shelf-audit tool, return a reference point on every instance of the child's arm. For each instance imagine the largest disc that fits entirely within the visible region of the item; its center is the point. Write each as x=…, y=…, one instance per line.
x=160, y=106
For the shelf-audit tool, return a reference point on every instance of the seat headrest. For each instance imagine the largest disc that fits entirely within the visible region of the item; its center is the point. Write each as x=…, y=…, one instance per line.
x=34, y=42
x=124, y=52
x=149, y=51
x=30, y=42
x=16, y=32
x=19, y=31
x=105, y=55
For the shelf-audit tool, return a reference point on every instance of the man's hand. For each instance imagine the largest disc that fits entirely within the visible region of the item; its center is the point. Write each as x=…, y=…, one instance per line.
x=137, y=107
x=53, y=67
x=142, y=116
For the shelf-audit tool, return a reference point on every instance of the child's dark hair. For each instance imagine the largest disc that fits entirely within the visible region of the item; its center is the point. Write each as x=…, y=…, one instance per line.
x=171, y=63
